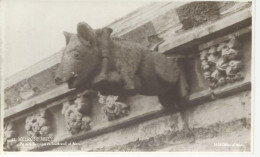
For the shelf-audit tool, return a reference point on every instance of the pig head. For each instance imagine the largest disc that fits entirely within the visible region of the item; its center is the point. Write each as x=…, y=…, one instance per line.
x=81, y=58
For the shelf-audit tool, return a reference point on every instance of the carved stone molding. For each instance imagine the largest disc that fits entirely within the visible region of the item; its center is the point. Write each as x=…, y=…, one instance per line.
x=112, y=109
x=30, y=87
x=20, y=92
x=38, y=125
x=222, y=62
x=77, y=112
x=10, y=137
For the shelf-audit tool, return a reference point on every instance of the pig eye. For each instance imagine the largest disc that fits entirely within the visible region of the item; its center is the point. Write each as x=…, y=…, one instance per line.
x=76, y=55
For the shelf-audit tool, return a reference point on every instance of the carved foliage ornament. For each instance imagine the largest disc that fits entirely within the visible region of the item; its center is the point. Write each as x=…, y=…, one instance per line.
x=10, y=135
x=38, y=125
x=77, y=112
x=222, y=63
x=112, y=109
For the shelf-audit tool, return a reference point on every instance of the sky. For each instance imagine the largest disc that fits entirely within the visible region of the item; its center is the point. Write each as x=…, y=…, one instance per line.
x=33, y=28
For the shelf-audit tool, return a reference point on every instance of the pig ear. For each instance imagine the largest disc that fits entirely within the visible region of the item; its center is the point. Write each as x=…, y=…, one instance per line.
x=86, y=32
x=67, y=37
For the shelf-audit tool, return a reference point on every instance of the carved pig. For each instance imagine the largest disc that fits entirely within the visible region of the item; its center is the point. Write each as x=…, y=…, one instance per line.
x=156, y=74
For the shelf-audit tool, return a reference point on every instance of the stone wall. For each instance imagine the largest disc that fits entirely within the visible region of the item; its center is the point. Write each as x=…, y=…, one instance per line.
x=216, y=36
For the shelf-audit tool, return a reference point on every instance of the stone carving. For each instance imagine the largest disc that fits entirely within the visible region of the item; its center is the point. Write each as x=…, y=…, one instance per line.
x=221, y=63
x=38, y=125
x=12, y=94
x=78, y=111
x=27, y=92
x=130, y=68
x=196, y=13
x=10, y=137
x=30, y=87
x=20, y=92
x=112, y=109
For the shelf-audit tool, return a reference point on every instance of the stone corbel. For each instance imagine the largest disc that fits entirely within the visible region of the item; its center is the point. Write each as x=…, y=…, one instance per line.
x=38, y=125
x=222, y=63
x=77, y=112
x=10, y=138
x=112, y=109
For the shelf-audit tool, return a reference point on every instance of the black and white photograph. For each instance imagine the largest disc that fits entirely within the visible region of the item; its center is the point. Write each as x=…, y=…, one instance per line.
x=127, y=76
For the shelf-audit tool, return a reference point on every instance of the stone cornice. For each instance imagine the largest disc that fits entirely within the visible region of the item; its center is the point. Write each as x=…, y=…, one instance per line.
x=62, y=92
x=198, y=35
x=195, y=99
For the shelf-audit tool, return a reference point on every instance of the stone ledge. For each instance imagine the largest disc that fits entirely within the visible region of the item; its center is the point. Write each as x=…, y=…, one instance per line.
x=38, y=101
x=176, y=41
x=34, y=69
x=142, y=16
x=227, y=37
x=132, y=120
x=207, y=121
x=62, y=91
x=184, y=137
x=241, y=145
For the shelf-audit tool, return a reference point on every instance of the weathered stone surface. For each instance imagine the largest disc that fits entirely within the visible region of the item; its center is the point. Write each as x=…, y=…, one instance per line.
x=209, y=124
x=77, y=112
x=143, y=35
x=144, y=15
x=112, y=109
x=196, y=13
x=10, y=135
x=222, y=58
x=182, y=39
x=39, y=124
x=231, y=7
x=179, y=140
x=167, y=21
x=30, y=87
x=216, y=144
x=222, y=63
